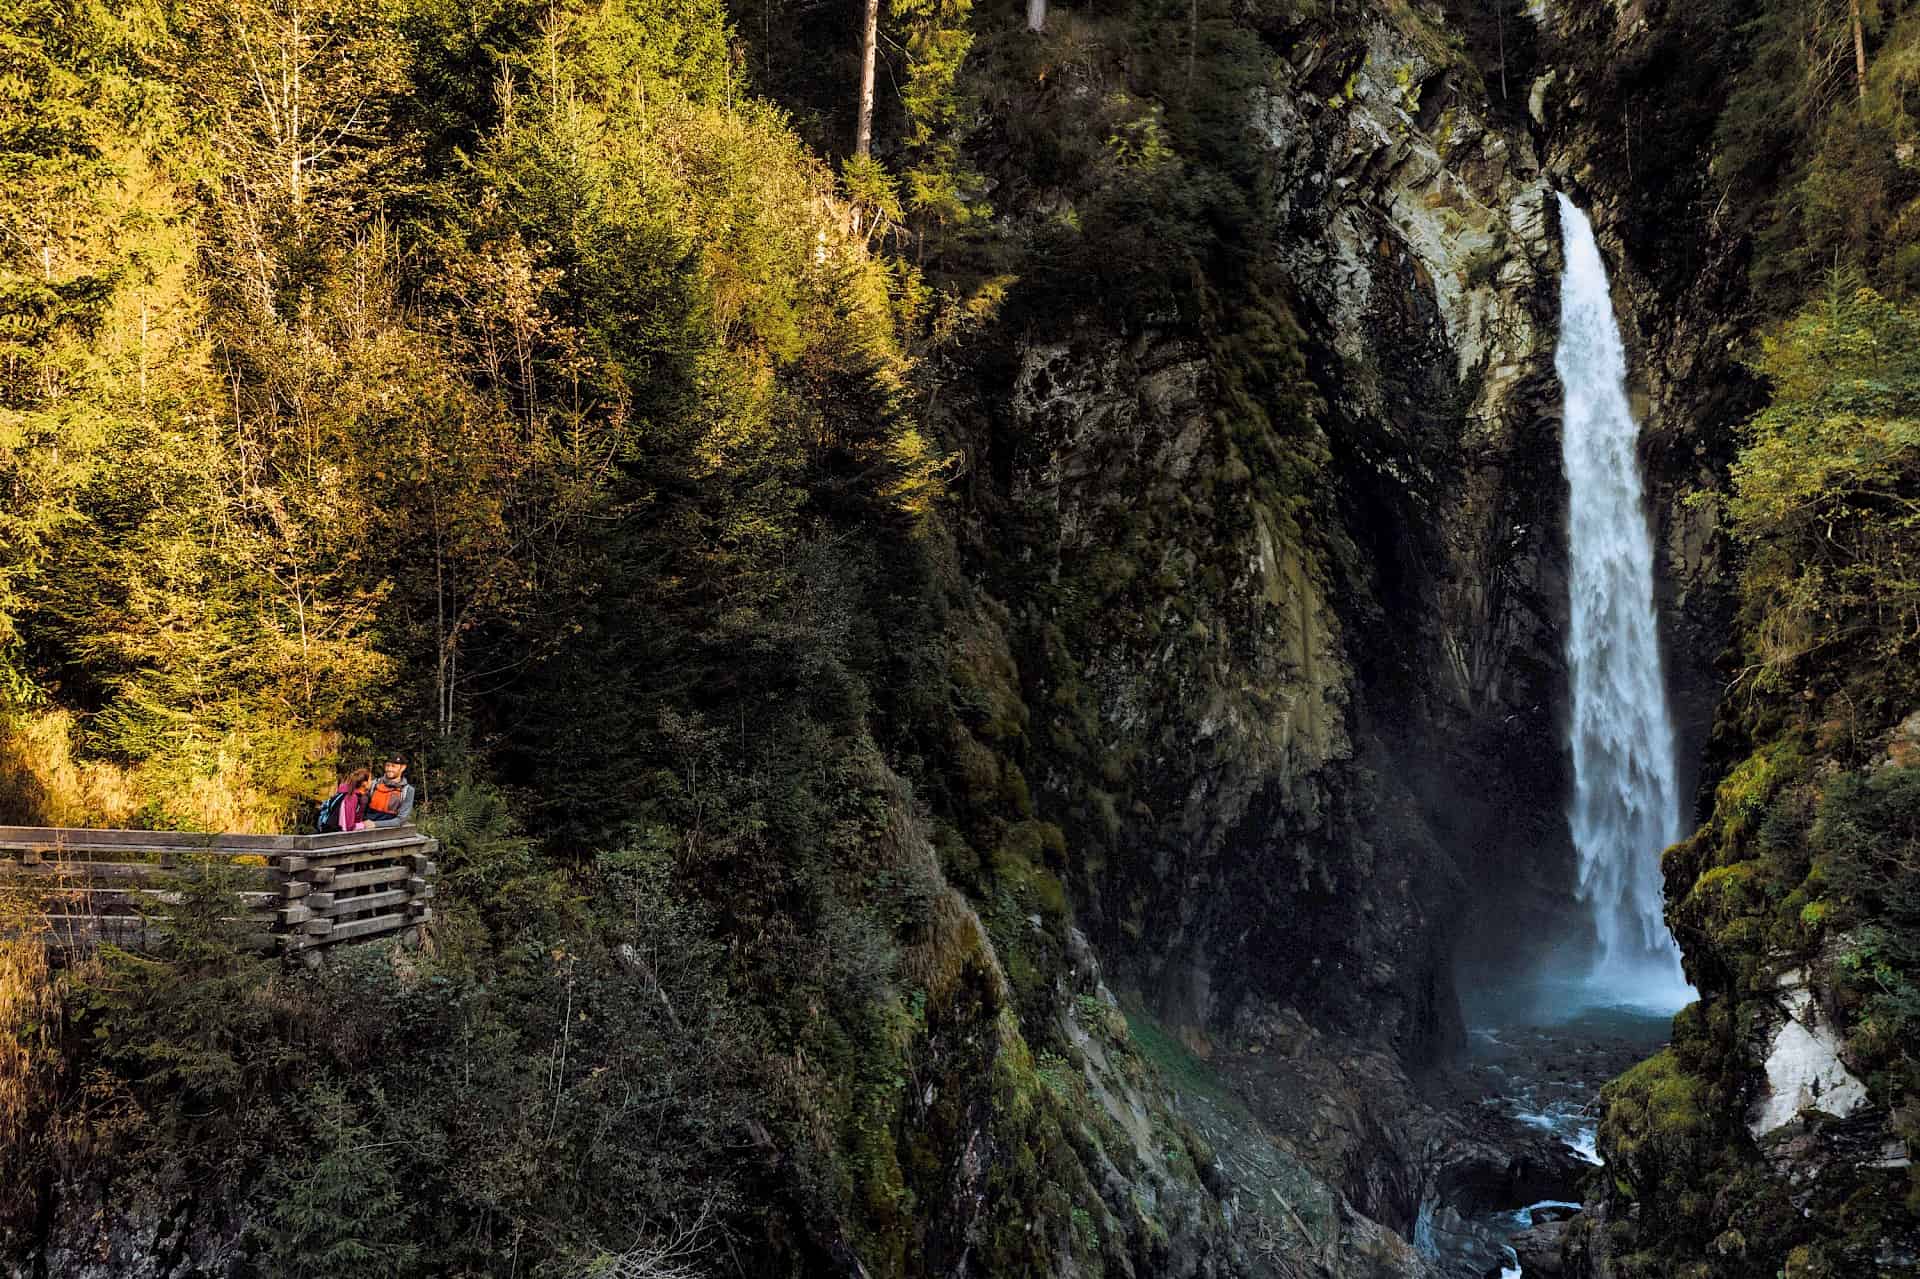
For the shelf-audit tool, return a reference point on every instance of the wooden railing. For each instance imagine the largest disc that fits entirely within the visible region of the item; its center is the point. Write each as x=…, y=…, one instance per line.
x=295, y=892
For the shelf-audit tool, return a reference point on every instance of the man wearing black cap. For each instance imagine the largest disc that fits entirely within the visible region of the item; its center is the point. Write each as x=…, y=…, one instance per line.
x=391, y=801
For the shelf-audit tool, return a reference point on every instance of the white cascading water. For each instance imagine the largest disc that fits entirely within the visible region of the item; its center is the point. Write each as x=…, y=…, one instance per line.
x=1626, y=806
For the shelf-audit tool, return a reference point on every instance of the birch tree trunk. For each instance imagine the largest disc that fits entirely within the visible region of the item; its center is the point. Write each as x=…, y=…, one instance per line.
x=1036, y=15
x=869, y=37
x=1859, y=50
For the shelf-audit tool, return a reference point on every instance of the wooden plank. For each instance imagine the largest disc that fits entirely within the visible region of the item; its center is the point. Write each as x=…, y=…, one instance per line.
x=49, y=873
x=340, y=906
x=293, y=916
x=77, y=931
x=362, y=928
x=390, y=849
x=317, y=927
x=348, y=840
x=57, y=837
x=64, y=836
x=369, y=878
x=93, y=929
x=355, y=861
x=157, y=858
x=148, y=844
x=41, y=873
x=161, y=896
x=35, y=843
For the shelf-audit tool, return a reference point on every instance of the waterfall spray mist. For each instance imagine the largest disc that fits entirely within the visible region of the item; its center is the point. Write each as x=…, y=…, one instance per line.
x=1626, y=806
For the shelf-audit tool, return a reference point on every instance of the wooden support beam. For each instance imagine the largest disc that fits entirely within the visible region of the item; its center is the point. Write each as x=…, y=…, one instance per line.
x=356, y=858
x=53, y=874
x=364, y=902
x=98, y=900
x=374, y=927
x=80, y=931
x=369, y=878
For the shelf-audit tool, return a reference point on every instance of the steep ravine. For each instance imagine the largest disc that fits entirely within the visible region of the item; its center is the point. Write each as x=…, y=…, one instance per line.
x=1283, y=733
x=1287, y=892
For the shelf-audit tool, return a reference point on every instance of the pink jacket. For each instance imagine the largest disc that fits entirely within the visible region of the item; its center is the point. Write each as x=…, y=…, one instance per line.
x=352, y=808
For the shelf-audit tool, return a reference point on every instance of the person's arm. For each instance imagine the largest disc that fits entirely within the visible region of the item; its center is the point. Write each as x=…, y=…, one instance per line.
x=405, y=814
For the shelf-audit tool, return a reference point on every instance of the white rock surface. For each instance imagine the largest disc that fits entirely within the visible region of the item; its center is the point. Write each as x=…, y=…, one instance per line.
x=1804, y=1069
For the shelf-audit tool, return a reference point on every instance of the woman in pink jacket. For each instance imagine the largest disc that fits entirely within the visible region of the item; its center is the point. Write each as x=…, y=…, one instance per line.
x=353, y=803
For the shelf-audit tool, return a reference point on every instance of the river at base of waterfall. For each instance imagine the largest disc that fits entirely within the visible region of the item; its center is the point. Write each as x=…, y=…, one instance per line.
x=1547, y=1073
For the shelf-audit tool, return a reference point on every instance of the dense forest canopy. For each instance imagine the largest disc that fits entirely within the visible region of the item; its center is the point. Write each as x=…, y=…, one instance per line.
x=328, y=368
x=510, y=384
x=497, y=383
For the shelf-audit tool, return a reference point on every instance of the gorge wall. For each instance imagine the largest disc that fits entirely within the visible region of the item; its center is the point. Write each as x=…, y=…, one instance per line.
x=1289, y=641
x=1272, y=585
x=1755, y=1143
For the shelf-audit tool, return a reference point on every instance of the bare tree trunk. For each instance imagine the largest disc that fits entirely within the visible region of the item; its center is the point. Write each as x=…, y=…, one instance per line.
x=869, y=38
x=1036, y=15
x=1859, y=50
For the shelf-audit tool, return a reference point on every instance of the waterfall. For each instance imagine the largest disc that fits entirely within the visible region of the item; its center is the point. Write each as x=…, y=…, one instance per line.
x=1626, y=806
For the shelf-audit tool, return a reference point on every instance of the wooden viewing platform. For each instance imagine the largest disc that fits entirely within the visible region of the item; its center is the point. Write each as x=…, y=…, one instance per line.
x=297, y=892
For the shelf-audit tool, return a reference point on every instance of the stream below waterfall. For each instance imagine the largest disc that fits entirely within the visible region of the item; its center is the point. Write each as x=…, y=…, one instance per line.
x=1547, y=1076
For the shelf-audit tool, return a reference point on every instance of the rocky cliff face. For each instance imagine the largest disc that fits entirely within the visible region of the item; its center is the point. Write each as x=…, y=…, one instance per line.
x=1275, y=700
x=1755, y=1143
x=1283, y=726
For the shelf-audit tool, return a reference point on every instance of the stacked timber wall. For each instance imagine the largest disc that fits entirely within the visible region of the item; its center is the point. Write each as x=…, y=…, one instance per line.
x=295, y=893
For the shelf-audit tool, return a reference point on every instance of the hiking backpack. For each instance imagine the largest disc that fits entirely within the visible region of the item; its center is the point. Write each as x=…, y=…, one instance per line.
x=329, y=817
